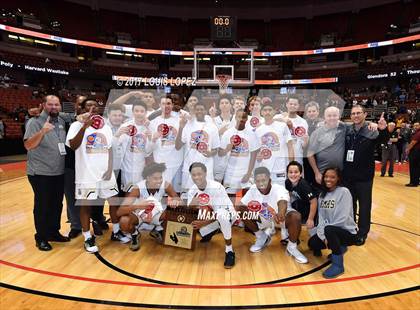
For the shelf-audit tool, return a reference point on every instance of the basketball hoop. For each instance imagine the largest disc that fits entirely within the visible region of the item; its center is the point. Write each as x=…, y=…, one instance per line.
x=223, y=80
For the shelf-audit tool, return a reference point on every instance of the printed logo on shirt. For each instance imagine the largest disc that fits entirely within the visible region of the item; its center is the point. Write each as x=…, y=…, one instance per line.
x=266, y=211
x=328, y=204
x=138, y=143
x=270, y=143
x=241, y=150
x=198, y=137
x=298, y=131
x=254, y=122
x=96, y=143
x=170, y=137
x=264, y=154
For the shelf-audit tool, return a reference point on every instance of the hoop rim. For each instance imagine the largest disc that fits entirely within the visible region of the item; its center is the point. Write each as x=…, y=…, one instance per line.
x=223, y=80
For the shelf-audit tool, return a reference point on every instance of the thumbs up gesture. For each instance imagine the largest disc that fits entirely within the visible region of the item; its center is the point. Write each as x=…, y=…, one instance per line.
x=47, y=126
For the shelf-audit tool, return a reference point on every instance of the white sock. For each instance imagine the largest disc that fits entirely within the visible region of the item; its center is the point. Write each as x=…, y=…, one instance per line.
x=259, y=233
x=87, y=234
x=115, y=227
x=229, y=248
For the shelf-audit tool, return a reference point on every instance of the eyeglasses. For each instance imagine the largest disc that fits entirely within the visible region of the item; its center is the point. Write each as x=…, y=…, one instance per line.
x=356, y=113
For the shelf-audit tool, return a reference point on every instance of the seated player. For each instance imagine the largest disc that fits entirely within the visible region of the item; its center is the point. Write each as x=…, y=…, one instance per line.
x=271, y=201
x=144, y=204
x=95, y=179
x=240, y=145
x=211, y=195
x=136, y=146
x=336, y=229
x=302, y=197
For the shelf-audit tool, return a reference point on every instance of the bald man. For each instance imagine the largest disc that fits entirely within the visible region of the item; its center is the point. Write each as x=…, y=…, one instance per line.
x=44, y=139
x=326, y=144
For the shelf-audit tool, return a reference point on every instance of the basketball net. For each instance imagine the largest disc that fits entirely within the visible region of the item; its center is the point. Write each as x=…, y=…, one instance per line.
x=223, y=80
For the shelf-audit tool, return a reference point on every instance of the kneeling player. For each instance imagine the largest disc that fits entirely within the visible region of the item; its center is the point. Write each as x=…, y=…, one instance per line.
x=271, y=201
x=143, y=204
x=211, y=196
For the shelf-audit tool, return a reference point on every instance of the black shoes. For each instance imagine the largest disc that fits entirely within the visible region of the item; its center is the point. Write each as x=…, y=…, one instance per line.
x=43, y=245
x=157, y=235
x=135, y=242
x=58, y=238
x=229, y=260
x=411, y=185
x=391, y=175
x=360, y=240
x=74, y=233
x=120, y=236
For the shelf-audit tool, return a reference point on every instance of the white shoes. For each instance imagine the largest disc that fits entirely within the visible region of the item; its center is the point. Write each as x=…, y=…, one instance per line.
x=292, y=250
x=261, y=243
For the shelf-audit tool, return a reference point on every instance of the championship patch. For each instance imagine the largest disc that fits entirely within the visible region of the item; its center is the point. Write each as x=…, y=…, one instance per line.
x=132, y=130
x=254, y=121
x=201, y=147
x=203, y=199
x=163, y=129
x=98, y=121
x=300, y=131
x=235, y=140
x=254, y=206
x=265, y=153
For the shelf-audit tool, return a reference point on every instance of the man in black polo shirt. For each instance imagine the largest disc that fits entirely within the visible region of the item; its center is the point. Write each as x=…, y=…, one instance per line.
x=359, y=165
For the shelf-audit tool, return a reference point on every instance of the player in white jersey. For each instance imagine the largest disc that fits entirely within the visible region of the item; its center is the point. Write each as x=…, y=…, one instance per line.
x=298, y=128
x=136, y=146
x=211, y=199
x=255, y=119
x=240, y=145
x=164, y=130
x=145, y=205
x=271, y=201
x=223, y=122
x=95, y=179
x=276, y=145
x=115, y=113
x=201, y=141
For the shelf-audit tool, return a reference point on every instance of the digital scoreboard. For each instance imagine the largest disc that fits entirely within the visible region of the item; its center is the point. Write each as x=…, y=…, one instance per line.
x=223, y=28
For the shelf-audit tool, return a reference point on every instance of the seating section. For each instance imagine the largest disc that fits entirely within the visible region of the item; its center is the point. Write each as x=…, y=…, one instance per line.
x=82, y=22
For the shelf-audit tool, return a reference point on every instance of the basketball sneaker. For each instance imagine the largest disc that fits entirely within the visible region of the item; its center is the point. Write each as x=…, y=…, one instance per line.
x=260, y=243
x=90, y=245
x=292, y=250
x=229, y=260
x=135, y=242
x=157, y=235
x=119, y=236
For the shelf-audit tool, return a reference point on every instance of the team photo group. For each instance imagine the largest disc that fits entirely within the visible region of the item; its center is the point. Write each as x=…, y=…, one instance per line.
x=241, y=161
